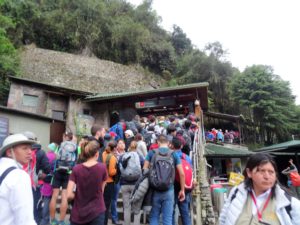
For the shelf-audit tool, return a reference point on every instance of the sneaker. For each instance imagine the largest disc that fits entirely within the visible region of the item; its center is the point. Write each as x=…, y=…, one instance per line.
x=54, y=222
x=62, y=223
x=116, y=222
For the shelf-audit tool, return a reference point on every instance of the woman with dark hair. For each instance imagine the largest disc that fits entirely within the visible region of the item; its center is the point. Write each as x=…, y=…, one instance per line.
x=260, y=199
x=86, y=187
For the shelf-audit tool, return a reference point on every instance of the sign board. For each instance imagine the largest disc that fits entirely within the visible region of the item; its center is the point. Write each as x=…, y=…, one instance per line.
x=3, y=129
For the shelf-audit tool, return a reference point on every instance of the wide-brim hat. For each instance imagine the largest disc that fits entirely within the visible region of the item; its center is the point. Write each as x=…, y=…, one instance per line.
x=13, y=140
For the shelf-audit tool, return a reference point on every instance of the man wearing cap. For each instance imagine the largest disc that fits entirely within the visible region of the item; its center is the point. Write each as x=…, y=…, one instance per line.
x=16, y=200
x=37, y=168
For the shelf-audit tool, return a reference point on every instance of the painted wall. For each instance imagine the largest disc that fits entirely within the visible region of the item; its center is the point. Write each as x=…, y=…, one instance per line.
x=20, y=123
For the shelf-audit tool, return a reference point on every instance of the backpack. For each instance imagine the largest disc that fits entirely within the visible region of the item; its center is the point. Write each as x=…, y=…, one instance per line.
x=132, y=171
x=5, y=173
x=148, y=138
x=162, y=170
x=117, y=128
x=116, y=177
x=66, y=156
x=187, y=137
x=295, y=178
x=131, y=126
x=188, y=172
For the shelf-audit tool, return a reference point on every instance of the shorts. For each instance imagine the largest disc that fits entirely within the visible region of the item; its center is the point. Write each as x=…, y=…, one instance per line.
x=60, y=179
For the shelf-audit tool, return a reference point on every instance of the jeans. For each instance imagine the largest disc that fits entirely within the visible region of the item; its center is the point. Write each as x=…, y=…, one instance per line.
x=36, y=197
x=99, y=220
x=45, y=219
x=184, y=208
x=114, y=201
x=162, y=202
x=108, y=194
x=126, y=193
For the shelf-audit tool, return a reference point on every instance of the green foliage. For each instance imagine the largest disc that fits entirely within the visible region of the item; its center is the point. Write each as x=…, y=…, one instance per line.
x=267, y=102
x=8, y=57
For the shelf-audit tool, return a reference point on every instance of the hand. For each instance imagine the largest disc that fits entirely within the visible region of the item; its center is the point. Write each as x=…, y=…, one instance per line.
x=181, y=196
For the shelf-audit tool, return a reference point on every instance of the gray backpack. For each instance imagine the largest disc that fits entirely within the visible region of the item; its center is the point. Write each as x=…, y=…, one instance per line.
x=131, y=170
x=162, y=170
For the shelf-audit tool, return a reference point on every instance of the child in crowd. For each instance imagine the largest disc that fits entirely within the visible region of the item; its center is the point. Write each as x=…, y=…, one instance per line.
x=46, y=190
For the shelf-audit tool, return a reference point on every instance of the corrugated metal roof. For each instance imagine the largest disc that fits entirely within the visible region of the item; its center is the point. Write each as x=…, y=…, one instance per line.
x=213, y=150
x=103, y=96
x=281, y=146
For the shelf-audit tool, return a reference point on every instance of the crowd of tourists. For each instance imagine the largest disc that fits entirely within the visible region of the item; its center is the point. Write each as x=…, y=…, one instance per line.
x=218, y=136
x=146, y=160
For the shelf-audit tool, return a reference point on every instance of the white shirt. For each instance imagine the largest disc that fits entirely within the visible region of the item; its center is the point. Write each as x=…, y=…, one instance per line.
x=16, y=199
x=260, y=200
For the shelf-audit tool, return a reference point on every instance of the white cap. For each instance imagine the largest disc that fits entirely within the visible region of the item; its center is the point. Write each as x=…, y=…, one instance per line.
x=129, y=133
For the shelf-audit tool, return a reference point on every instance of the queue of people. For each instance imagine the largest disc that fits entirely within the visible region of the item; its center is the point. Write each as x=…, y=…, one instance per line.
x=147, y=160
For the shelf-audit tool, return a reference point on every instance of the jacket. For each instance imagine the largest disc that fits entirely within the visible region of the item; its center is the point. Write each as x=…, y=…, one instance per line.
x=16, y=200
x=112, y=166
x=237, y=199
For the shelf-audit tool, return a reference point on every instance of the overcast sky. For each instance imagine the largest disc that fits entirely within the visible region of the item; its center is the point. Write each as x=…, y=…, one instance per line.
x=253, y=31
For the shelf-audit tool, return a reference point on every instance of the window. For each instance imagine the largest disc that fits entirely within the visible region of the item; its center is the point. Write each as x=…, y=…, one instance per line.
x=58, y=115
x=30, y=100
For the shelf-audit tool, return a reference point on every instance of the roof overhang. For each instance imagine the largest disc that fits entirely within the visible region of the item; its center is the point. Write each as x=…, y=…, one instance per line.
x=285, y=147
x=182, y=94
x=221, y=151
x=223, y=116
x=28, y=114
x=52, y=89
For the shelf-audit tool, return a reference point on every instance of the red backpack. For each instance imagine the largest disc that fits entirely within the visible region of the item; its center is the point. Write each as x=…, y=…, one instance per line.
x=188, y=172
x=295, y=178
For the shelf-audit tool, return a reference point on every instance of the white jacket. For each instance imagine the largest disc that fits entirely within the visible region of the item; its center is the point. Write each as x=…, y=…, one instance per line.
x=232, y=209
x=16, y=199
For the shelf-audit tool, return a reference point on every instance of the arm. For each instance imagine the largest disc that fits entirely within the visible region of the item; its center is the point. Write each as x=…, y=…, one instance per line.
x=181, y=195
x=70, y=190
x=146, y=165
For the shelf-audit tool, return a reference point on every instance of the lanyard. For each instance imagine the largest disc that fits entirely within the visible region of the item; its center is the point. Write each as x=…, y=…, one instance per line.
x=259, y=214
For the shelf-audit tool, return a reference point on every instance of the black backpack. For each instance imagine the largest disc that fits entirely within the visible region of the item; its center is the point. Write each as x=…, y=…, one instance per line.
x=162, y=170
x=131, y=126
x=148, y=139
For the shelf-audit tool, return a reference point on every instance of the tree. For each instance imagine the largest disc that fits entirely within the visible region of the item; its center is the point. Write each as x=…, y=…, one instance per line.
x=8, y=57
x=180, y=42
x=266, y=100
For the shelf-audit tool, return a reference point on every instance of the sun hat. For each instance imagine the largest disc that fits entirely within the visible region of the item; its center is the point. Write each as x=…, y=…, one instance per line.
x=129, y=133
x=13, y=140
x=30, y=135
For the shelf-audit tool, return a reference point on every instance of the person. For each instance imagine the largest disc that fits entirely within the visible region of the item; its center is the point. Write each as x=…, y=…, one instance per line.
x=111, y=165
x=46, y=189
x=86, y=187
x=291, y=168
x=163, y=201
x=118, y=152
x=129, y=137
x=184, y=206
x=16, y=199
x=37, y=168
x=141, y=145
x=60, y=180
x=260, y=199
x=98, y=134
x=131, y=164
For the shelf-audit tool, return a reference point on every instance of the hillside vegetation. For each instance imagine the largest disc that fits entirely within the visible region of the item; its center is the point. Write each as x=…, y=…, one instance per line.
x=117, y=31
